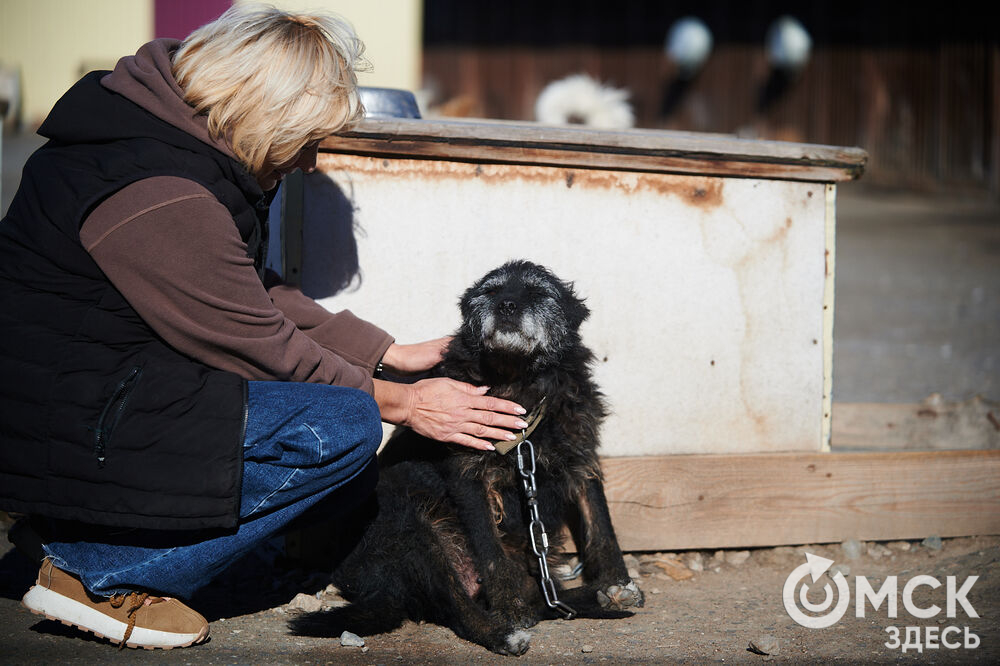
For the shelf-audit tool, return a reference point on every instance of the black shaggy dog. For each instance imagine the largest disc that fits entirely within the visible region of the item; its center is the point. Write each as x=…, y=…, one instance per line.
x=448, y=541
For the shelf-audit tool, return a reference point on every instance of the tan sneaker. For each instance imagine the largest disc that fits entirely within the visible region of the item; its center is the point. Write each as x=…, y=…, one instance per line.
x=134, y=620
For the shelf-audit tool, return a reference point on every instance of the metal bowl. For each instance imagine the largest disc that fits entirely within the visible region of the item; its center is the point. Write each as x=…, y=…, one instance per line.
x=389, y=103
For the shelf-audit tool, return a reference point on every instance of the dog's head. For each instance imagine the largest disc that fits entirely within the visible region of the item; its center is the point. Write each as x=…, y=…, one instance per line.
x=522, y=310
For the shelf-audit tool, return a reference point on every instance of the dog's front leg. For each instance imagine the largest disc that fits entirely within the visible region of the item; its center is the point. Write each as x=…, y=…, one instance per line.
x=603, y=565
x=508, y=587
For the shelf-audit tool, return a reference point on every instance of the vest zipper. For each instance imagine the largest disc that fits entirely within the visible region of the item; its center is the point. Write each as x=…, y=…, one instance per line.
x=112, y=412
x=246, y=413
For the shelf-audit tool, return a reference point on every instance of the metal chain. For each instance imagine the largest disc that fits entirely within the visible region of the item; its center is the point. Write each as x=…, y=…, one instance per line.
x=536, y=529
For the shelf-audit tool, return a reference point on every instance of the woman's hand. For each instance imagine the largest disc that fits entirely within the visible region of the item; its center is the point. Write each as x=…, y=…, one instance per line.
x=450, y=411
x=408, y=359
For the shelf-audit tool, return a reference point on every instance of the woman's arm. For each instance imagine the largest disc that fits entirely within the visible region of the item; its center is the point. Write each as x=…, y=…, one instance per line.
x=346, y=335
x=175, y=254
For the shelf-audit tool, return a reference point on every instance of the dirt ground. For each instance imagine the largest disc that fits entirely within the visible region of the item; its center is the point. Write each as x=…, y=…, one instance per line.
x=711, y=616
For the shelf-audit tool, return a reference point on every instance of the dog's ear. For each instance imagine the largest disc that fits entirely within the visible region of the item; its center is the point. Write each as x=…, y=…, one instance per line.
x=465, y=302
x=574, y=307
x=466, y=332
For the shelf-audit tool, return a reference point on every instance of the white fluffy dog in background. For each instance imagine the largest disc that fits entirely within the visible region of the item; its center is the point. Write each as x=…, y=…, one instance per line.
x=580, y=100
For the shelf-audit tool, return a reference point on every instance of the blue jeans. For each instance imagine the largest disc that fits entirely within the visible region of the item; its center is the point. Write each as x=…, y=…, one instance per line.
x=303, y=442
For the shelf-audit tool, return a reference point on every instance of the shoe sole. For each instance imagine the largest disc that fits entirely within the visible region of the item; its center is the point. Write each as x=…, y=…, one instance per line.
x=54, y=606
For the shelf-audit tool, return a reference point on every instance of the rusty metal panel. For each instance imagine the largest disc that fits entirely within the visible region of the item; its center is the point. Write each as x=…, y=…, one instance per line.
x=711, y=297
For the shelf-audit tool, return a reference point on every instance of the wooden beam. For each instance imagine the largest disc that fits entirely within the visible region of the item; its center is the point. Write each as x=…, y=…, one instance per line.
x=643, y=150
x=728, y=501
x=931, y=425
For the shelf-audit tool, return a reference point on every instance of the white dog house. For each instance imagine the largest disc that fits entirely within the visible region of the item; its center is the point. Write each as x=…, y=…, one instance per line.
x=707, y=262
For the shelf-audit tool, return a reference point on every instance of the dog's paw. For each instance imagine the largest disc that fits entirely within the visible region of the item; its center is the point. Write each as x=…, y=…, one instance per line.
x=620, y=597
x=515, y=643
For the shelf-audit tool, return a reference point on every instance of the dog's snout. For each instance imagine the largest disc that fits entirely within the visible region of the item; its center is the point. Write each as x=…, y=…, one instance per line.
x=508, y=307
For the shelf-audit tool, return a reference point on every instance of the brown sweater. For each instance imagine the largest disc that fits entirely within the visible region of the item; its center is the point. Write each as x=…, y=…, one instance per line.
x=175, y=254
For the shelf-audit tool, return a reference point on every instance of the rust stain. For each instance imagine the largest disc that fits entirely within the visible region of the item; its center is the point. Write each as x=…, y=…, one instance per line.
x=704, y=192
x=707, y=195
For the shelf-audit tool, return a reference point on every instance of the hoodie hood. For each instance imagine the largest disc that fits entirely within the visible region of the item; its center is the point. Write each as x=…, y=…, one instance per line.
x=146, y=80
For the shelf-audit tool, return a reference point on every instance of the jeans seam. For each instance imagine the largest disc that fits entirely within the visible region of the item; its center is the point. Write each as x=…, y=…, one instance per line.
x=284, y=484
x=144, y=563
x=319, y=440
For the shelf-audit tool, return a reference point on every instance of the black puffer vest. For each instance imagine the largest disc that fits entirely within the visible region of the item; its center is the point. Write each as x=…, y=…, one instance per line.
x=102, y=421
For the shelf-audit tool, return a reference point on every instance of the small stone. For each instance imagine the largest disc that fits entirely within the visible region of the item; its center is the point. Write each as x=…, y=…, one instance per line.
x=899, y=545
x=852, y=549
x=877, y=551
x=764, y=645
x=565, y=572
x=305, y=602
x=694, y=562
x=631, y=561
x=932, y=542
x=674, y=569
x=347, y=639
x=586, y=649
x=633, y=573
x=570, y=569
x=656, y=590
x=737, y=558
x=364, y=648
x=648, y=567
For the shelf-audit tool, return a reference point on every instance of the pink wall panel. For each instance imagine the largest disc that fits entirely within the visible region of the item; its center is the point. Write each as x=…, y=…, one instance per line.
x=177, y=18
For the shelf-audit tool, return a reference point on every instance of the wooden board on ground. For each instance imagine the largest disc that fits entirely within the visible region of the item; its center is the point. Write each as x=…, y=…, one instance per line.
x=729, y=501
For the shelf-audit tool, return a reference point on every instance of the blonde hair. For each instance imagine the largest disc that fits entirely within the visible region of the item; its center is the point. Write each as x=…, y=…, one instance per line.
x=272, y=81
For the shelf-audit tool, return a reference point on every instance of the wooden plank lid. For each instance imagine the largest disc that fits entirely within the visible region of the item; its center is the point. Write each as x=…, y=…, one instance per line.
x=660, y=151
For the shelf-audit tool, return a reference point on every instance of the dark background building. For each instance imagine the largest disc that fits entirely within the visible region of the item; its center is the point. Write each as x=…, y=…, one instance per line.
x=917, y=85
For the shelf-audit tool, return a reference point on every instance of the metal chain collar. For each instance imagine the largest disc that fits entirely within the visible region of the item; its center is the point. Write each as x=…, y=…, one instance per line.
x=536, y=529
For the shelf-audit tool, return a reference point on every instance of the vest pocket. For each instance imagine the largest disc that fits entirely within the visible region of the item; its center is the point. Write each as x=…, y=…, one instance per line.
x=112, y=413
